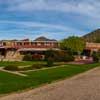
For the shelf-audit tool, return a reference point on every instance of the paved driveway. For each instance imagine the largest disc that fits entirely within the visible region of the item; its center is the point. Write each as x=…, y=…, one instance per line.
x=85, y=86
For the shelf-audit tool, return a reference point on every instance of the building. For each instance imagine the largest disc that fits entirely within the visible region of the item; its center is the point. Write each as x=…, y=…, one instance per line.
x=91, y=47
x=14, y=50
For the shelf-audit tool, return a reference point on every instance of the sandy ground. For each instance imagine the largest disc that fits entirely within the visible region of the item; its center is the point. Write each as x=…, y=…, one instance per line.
x=85, y=86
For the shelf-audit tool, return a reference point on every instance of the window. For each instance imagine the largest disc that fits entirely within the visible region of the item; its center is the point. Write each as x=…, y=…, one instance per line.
x=39, y=44
x=4, y=43
x=19, y=43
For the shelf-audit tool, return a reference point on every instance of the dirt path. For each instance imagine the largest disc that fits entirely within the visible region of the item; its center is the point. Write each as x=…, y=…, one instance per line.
x=13, y=72
x=85, y=86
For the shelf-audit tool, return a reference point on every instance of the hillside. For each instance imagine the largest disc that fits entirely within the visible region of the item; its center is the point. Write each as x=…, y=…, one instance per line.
x=92, y=36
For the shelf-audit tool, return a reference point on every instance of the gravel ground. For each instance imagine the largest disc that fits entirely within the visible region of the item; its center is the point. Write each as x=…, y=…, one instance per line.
x=85, y=86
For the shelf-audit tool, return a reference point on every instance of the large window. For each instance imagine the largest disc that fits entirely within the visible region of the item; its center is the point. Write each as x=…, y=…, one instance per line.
x=39, y=44
x=47, y=44
x=26, y=43
x=4, y=43
x=19, y=43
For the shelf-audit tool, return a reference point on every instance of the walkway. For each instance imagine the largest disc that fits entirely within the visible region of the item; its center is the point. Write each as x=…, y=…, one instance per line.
x=85, y=86
x=13, y=72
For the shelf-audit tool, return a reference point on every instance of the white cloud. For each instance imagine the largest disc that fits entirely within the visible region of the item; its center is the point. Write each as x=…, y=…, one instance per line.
x=47, y=30
x=35, y=24
x=88, y=11
x=29, y=24
x=45, y=26
x=87, y=7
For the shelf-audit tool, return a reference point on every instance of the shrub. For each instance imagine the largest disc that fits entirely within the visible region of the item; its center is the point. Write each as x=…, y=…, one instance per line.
x=96, y=56
x=63, y=56
x=25, y=68
x=60, y=56
x=16, y=68
x=27, y=57
x=68, y=58
x=52, y=55
x=11, y=68
x=49, y=54
x=37, y=66
x=50, y=62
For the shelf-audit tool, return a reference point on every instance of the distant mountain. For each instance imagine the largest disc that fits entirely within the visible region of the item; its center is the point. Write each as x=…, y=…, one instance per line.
x=92, y=36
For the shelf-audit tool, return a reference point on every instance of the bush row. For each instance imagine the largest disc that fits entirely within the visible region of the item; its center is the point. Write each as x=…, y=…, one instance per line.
x=56, y=56
x=16, y=68
x=96, y=56
x=59, y=56
x=52, y=56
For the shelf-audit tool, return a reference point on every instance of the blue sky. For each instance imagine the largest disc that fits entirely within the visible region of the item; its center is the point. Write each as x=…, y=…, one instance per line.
x=56, y=19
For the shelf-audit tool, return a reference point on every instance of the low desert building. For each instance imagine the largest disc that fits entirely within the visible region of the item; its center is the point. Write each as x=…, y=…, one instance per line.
x=91, y=47
x=15, y=49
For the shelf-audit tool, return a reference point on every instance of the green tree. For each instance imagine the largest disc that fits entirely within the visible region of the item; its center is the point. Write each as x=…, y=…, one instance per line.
x=73, y=43
x=50, y=54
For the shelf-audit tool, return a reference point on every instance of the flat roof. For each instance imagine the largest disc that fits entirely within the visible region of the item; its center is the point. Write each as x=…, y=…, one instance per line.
x=37, y=49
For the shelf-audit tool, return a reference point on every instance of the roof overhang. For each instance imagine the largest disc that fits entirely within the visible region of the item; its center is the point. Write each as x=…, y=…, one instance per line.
x=37, y=49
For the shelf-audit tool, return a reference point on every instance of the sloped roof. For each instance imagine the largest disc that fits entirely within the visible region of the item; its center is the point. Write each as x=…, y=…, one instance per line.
x=25, y=40
x=42, y=38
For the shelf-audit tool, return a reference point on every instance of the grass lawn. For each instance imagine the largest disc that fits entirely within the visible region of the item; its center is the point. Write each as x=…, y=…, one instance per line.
x=11, y=83
x=24, y=63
